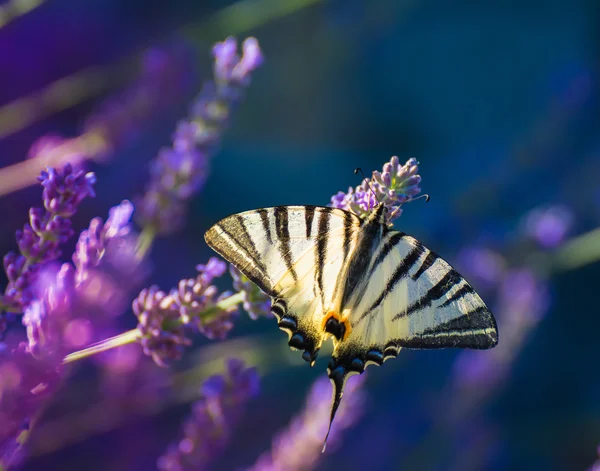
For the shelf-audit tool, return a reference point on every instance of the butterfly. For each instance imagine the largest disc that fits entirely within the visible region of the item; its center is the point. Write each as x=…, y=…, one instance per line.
x=372, y=289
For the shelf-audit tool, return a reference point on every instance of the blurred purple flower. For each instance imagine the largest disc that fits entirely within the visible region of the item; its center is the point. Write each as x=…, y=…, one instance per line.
x=178, y=173
x=165, y=319
x=208, y=430
x=47, y=316
x=549, y=226
x=596, y=465
x=39, y=241
x=108, y=267
x=165, y=75
x=26, y=384
x=255, y=302
x=523, y=300
x=298, y=448
x=483, y=266
x=394, y=186
x=73, y=302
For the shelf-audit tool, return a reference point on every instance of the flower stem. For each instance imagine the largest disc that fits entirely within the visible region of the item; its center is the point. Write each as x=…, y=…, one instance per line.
x=577, y=252
x=133, y=335
x=120, y=340
x=145, y=240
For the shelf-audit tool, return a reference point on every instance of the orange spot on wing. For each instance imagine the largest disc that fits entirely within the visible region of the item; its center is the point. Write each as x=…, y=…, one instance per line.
x=340, y=319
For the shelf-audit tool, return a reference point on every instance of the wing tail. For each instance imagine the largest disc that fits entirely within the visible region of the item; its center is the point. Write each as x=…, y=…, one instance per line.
x=338, y=375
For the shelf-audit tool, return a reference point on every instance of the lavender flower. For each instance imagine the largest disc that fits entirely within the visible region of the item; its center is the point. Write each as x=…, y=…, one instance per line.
x=162, y=333
x=195, y=295
x=46, y=317
x=207, y=431
x=179, y=172
x=548, y=226
x=107, y=265
x=39, y=241
x=255, y=302
x=165, y=319
x=394, y=186
x=299, y=447
x=74, y=301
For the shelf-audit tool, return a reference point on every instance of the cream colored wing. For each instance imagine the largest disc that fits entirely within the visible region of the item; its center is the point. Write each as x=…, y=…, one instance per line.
x=295, y=255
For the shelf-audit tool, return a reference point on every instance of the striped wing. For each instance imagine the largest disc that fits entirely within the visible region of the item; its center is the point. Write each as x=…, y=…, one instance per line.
x=295, y=255
x=409, y=298
x=413, y=299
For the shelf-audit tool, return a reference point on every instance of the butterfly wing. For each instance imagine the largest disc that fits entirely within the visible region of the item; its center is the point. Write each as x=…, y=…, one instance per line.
x=295, y=255
x=410, y=298
x=413, y=299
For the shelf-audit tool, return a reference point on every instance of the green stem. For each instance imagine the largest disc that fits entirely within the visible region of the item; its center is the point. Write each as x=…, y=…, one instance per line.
x=145, y=240
x=577, y=252
x=120, y=340
x=133, y=335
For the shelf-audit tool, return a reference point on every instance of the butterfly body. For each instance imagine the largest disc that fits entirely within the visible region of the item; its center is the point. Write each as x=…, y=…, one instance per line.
x=372, y=289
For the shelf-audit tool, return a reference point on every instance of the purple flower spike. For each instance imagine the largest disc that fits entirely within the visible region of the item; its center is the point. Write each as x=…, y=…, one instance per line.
x=39, y=241
x=393, y=187
x=64, y=190
x=208, y=430
x=255, y=302
x=161, y=329
x=195, y=295
x=164, y=319
x=179, y=172
x=93, y=242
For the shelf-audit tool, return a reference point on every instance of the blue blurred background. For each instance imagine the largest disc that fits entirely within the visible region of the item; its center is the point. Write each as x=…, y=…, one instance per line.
x=497, y=100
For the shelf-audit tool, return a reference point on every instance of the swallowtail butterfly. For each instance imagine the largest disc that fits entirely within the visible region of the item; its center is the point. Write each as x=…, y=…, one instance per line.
x=373, y=289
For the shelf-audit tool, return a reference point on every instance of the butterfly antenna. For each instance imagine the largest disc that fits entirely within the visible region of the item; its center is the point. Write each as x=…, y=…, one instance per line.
x=358, y=170
x=410, y=200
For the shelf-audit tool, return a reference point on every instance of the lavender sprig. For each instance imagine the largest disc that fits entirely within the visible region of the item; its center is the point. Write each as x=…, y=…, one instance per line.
x=166, y=319
x=178, y=172
x=39, y=241
x=207, y=431
x=394, y=186
x=83, y=295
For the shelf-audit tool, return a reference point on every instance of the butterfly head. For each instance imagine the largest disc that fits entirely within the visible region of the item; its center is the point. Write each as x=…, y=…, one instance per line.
x=378, y=214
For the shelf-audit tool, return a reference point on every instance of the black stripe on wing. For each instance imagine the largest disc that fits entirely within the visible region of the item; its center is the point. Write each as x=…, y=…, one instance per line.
x=239, y=249
x=437, y=291
x=388, y=246
x=476, y=329
x=321, y=254
x=427, y=263
x=309, y=215
x=264, y=219
x=283, y=234
x=401, y=271
x=347, y=233
x=458, y=294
